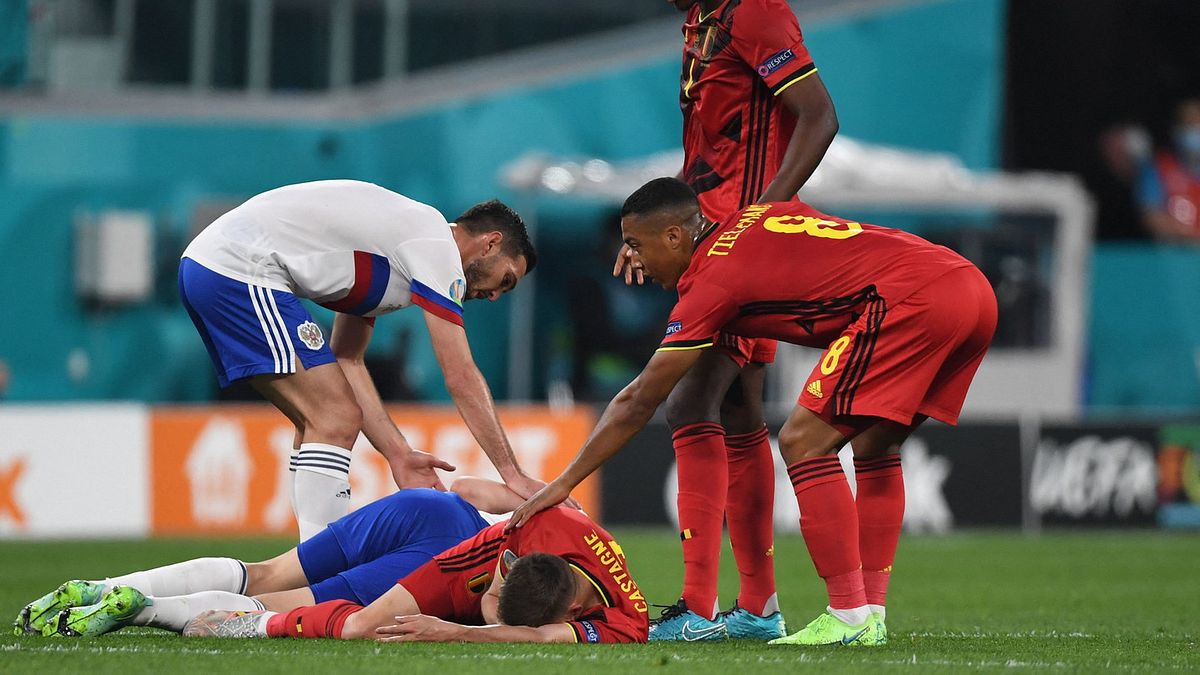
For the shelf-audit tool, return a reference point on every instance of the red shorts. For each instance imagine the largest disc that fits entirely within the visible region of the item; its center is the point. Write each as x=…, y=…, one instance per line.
x=453, y=596
x=916, y=358
x=745, y=351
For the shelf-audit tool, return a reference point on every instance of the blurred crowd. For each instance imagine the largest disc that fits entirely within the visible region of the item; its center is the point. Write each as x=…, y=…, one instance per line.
x=1152, y=189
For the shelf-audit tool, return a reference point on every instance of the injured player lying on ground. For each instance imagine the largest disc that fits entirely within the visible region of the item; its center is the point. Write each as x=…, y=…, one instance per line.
x=358, y=559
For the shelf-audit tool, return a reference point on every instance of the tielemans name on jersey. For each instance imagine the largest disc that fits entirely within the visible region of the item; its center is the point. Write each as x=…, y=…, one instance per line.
x=724, y=243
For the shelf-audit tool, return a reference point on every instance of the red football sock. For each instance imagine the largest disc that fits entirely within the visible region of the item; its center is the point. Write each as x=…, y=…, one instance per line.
x=880, y=515
x=749, y=513
x=829, y=523
x=703, y=479
x=314, y=621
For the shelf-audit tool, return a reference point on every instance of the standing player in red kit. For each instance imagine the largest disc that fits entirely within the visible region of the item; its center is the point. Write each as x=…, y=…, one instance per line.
x=756, y=122
x=904, y=323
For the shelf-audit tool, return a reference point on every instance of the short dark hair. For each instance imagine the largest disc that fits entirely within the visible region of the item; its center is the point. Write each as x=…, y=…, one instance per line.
x=495, y=216
x=658, y=195
x=538, y=590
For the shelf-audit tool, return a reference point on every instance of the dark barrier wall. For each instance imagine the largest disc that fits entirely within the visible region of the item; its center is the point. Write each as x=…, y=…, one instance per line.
x=1095, y=475
x=966, y=476
x=977, y=475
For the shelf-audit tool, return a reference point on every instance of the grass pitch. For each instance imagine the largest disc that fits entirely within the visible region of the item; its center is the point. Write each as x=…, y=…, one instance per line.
x=981, y=601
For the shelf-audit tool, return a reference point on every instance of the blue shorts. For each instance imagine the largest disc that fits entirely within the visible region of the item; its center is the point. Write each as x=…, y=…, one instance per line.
x=361, y=555
x=249, y=330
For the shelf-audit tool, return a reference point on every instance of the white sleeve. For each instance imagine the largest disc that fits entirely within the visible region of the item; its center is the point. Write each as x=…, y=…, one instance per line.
x=437, y=283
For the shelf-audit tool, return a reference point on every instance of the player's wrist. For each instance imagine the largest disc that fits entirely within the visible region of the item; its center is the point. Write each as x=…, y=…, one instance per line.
x=511, y=474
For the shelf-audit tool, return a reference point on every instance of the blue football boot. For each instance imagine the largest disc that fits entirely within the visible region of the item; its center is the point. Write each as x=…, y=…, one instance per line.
x=679, y=624
x=746, y=625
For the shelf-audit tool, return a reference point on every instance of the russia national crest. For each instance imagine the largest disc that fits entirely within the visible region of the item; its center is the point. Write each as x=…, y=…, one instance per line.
x=310, y=334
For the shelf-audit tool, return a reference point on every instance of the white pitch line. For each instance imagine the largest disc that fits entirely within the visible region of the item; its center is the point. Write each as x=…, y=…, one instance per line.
x=986, y=635
x=785, y=657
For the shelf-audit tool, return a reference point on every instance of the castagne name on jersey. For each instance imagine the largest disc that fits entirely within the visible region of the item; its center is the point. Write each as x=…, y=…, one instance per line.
x=609, y=556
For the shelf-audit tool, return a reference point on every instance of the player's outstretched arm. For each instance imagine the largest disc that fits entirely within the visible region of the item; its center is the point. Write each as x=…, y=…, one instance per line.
x=816, y=125
x=624, y=417
x=486, y=495
x=410, y=468
x=421, y=628
x=474, y=401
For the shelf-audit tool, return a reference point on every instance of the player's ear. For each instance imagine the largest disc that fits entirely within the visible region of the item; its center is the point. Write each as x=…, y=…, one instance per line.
x=574, y=610
x=674, y=235
x=491, y=242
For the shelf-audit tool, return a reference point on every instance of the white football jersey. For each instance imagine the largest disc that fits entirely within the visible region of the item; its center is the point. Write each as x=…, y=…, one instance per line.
x=351, y=246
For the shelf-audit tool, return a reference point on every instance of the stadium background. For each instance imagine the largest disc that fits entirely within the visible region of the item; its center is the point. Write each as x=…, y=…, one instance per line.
x=126, y=125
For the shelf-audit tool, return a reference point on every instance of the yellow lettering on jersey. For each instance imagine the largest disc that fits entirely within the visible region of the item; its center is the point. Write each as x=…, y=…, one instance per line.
x=813, y=227
x=611, y=557
x=724, y=243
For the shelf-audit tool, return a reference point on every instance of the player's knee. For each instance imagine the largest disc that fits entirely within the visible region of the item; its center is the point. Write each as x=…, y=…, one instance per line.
x=799, y=442
x=684, y=407
x=740, y=418
x=356, y=627
x=338, y=423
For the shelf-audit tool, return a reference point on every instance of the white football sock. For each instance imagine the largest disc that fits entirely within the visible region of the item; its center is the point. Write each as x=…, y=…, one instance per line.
x=173, y=613
x=322, y=486
x=190, y=576
x=855, y=617
x=292, y=478
x=771, y=605
x=878, y=609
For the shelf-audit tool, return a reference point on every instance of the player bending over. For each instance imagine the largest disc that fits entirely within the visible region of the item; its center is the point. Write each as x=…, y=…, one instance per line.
x=357, y=557
x=904, y=324
x=560, y=578
x=363, y=252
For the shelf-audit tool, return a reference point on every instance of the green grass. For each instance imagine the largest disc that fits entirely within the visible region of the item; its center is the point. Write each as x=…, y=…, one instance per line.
x=1057, y=602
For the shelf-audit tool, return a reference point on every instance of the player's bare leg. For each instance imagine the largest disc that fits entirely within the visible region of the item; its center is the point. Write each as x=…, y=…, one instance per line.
x=281, y=573
x=693, y=412
x=321, y=404
x=286, y=601
x=880, y=505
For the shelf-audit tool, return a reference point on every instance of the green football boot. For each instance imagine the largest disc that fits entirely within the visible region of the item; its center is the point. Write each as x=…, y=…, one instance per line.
x=114, y=611
x=829, y=630
x=34, y=616
x=880, y=629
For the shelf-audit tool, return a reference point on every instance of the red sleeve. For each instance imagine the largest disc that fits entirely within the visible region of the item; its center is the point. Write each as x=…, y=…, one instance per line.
x=608, y=625
x=767, y=37
x=698, y=316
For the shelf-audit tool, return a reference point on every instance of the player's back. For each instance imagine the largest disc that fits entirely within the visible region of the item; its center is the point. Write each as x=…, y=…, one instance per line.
x=331, y=241
x=736, y=60
x=787, y=259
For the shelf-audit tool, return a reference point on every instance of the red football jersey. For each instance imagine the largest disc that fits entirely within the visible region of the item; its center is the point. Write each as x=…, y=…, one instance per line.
x=787, y=271
x=462, y=574
x=735, y=61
